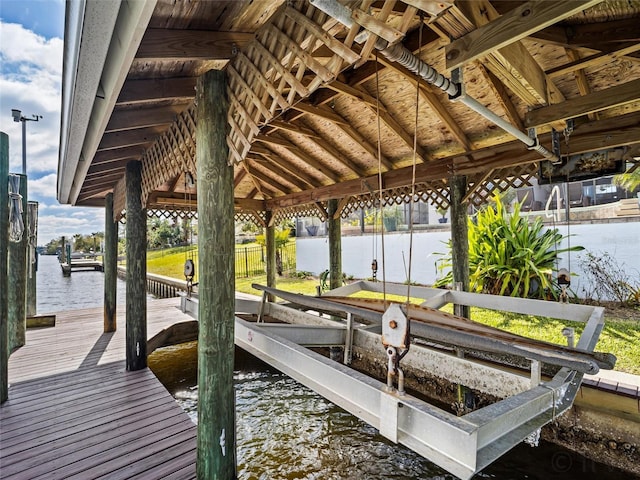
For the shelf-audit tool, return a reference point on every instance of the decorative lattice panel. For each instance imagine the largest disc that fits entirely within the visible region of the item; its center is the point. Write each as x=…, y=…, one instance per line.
x=482, y=188
x=257, y=218
x=172, y=153
x=157, y=213
x=309, y=210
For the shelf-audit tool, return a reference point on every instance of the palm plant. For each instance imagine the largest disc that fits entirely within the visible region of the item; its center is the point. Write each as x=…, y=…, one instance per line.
x=510, y=256
x=629, y=181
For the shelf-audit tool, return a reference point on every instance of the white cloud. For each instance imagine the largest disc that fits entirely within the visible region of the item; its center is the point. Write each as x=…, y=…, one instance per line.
x=31, y=68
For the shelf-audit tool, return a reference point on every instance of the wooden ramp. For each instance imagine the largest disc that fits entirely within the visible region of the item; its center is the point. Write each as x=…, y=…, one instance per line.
x=75, y=412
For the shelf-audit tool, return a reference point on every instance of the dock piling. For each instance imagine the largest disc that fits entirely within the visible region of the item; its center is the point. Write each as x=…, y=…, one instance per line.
x=4, y=282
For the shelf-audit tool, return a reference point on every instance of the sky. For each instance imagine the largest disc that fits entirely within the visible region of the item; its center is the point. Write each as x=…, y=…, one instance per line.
x=31, y=48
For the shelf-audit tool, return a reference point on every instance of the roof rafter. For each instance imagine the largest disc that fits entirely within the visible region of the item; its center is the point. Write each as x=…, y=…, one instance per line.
x=507, y=29
x=126, y=119
x=594, y=102
x=156, y=89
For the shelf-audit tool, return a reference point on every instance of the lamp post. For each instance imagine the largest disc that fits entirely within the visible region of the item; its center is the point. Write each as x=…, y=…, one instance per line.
x=17, y=117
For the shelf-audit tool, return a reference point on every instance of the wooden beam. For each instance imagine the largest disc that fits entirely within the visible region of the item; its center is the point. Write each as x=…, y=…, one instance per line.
x=428, y=95
x=106, y=167
x=266, y=179
x=239, y=177
x=129, y=138
x=581, y=78
x=292, y=127
x=282, y=173
x=609, y=133
x=513, y=64
x=136, y=152
x=499, y=90
x=594, y=60
x=249, y=204
x=302, y=155
x=183, y=45
x=322, y=112
x=125, y=119
x=339, y=157
x=507, y=29
x=293, y=170
x=594, y=102
x=156, y=89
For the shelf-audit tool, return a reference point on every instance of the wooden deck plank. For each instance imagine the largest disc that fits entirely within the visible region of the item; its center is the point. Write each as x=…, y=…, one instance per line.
x=74, y=412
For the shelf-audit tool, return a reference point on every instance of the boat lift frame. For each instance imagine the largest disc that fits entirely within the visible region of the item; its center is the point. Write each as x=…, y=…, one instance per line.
x=461, y=445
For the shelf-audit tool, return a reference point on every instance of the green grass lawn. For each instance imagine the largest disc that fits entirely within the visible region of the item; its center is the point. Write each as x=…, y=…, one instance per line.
x=620, y=336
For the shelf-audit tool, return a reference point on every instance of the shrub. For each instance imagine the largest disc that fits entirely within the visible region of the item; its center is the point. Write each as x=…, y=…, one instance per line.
x=608, y=280
x=508, y=255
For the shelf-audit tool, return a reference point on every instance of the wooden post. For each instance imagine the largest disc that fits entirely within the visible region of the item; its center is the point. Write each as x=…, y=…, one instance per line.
x=32, y=258
x=216, y=402
x=4, y=283
x=136, y=310
x=270, y=240
x=459, y=238
x=110, y=265
x=18, y=285
x=335, y=246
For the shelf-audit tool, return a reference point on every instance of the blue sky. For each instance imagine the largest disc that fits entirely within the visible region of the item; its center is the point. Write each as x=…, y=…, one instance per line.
x=31, y=48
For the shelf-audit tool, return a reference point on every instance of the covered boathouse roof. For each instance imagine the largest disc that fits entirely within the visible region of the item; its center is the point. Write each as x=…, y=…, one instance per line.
x=311, y=93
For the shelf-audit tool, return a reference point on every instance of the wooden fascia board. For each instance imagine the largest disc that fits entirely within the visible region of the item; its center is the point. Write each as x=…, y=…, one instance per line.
x=507, y=29
x=155, y=89
x=598, y=135
x=594, y=102
x=176, y=44
x=125, y=119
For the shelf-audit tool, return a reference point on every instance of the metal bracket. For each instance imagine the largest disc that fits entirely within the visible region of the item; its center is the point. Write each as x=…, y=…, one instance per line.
x=348, y=341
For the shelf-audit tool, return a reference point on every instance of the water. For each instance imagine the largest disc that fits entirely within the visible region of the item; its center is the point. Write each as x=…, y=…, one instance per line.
x=83, y=289
x=286, y=431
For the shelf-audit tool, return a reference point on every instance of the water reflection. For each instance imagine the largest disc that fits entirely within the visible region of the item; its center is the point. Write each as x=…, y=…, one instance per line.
x=286, y=431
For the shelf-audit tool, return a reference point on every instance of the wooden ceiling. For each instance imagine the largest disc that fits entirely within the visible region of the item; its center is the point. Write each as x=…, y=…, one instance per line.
x=316, y=115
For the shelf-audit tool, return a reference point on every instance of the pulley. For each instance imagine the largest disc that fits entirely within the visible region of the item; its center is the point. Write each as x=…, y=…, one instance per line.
x=396, y=341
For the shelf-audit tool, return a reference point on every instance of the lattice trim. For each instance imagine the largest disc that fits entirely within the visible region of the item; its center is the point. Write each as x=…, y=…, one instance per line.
x=501, y=180
x=158, y=213
x=308, y=210
x=257, y=218
x=119, y=199
x=171, y=154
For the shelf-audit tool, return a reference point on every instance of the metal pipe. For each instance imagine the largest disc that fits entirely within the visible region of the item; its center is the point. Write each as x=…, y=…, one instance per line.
x=401, y=55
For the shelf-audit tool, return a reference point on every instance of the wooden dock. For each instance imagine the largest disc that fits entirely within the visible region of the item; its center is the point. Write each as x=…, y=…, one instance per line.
x=81, y=264
x=75, y=412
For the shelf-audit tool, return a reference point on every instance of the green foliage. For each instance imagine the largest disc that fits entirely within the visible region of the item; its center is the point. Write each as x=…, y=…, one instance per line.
x=510, y=256
x=161, y=233
x=629, y=181
x=281, y=235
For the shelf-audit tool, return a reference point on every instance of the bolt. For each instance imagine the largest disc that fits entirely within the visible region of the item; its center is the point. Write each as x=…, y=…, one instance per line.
x=393, y=324
x=525, y=13
x=453, y=54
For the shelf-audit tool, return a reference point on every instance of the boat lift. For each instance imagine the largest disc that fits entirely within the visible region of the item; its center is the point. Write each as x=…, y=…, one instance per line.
x=462, y=445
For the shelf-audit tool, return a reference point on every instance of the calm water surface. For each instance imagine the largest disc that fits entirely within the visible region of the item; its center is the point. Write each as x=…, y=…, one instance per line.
x=83, y=289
